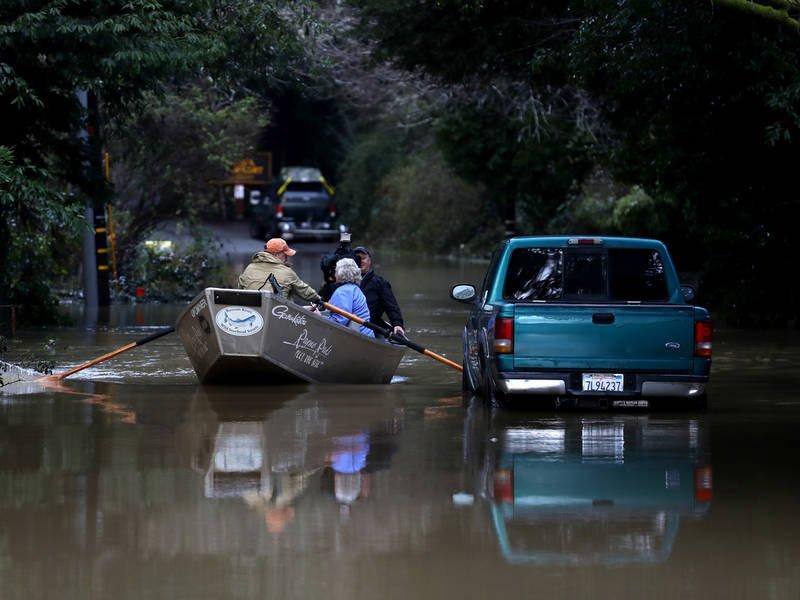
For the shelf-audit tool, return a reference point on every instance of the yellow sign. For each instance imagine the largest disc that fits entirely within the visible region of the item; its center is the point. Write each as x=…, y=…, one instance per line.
x=247, y=167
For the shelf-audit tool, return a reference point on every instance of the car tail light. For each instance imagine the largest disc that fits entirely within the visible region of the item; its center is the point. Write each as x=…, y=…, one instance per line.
x=703, y=484
x=333, y=211
x=504, y=486
x=703, y=333
x=279, y=211
x=504, y=335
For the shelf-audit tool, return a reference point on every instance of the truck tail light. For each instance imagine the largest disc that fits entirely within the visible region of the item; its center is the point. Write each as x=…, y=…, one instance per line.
x=703, y=334
x=585, y=242
x=504, y=486
x=279, y=211
x=504, y=335
x=333, y=211
x=703, y=484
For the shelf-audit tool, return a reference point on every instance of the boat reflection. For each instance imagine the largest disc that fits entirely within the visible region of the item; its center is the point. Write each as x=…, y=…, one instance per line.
x=274, y=457
x=594, y=489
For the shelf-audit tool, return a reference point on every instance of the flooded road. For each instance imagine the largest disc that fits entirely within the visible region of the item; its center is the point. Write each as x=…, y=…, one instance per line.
x=133, y=481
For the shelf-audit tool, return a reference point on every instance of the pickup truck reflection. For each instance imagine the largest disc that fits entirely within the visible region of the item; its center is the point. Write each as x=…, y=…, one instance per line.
x=595, y=490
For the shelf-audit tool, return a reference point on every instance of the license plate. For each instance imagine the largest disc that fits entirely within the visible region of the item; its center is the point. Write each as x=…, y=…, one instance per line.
x=603, y=382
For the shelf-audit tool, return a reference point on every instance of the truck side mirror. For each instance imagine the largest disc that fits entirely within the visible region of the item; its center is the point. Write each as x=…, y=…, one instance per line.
x=463, y=293
x=689, y=293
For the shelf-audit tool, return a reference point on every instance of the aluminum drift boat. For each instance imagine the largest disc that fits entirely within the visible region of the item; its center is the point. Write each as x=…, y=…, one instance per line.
x=246, y=336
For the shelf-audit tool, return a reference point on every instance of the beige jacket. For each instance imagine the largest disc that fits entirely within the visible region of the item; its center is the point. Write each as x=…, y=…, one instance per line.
x=264, y=263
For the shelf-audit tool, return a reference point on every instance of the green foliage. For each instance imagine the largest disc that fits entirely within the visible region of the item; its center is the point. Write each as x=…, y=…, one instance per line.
x=48, y=51
x=705, y=107
x=175, y=274
x=170, y=150
x=38, y=226
x=604, y=208
x=459, y=40
x=257, y=47
x=536, y=172
x=398, y=190
x=370, y=160
x=696, y=105
x=114, y=49
x=126, y=55
x=425, y=206
x=587, y=214
x=638, y=213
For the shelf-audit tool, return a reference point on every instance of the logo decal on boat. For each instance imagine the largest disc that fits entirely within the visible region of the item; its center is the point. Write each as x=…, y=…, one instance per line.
x=310, y=352
x=239, y=320
x=282, y=312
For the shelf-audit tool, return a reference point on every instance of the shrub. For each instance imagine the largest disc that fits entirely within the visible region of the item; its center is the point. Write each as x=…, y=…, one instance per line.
x=174, y=272
x=424, y=205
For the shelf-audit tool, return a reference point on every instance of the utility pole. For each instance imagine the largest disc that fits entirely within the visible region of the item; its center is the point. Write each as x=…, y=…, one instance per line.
x=510, y=218
x=95, y=240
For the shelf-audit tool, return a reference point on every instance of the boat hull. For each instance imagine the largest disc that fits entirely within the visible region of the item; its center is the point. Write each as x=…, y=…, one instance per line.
x=248, y=336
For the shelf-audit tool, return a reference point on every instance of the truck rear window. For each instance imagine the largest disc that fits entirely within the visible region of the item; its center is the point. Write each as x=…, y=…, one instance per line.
x=616, y=274
x=636, y=275
x=305, y=186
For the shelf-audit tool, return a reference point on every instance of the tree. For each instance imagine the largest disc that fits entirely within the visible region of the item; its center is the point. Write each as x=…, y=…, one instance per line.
x=513, y=123
x=34, y=219
x=696, y=103
x=117, y=50
x=48, y=51
x=126, y=53
x=170, y=150
x=784, y=12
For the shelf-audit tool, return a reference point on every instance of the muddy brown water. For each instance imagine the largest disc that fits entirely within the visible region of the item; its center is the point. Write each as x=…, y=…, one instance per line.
x=133, y=481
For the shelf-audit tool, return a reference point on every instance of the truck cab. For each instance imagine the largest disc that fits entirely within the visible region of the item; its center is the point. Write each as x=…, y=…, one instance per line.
x=305, y=205
x=591, y=321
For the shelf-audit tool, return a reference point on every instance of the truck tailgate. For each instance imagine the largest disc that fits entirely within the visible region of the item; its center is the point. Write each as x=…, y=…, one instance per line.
x=303, y=207
x=612, y=337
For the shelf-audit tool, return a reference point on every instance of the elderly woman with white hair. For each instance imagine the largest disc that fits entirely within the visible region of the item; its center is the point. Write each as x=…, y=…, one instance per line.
x=348, y=296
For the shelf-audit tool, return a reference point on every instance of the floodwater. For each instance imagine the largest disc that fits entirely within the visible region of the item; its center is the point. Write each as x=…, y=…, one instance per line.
x=133, y=481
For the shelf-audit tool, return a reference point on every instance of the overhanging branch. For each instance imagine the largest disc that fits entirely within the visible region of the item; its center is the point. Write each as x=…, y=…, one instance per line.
x=760, y=9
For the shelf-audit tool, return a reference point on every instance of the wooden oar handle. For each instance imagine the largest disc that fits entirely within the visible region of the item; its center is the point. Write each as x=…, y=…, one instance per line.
x=112, y=354
x=443, y=360
x=344, y=313
x=400, y=339
x=91, y=363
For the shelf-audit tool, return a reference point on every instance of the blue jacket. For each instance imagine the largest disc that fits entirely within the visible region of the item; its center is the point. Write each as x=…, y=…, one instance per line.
x=350, y=298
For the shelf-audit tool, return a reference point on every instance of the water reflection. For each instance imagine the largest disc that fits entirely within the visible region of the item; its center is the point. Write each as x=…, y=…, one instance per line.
x=589, y=489
x=186, y=491
x=275, y=456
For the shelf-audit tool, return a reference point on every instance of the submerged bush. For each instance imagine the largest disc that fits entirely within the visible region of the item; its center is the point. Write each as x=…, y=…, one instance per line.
x=169, y=272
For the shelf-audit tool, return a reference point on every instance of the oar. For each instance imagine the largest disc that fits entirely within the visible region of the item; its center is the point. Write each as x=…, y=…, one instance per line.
x=394, y=337
x=105, y=357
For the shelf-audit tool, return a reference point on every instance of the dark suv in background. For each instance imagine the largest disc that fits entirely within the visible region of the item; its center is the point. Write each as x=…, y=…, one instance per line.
x=300, y=205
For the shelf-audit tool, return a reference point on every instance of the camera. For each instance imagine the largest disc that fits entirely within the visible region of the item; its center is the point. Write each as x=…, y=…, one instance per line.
x=328, y=262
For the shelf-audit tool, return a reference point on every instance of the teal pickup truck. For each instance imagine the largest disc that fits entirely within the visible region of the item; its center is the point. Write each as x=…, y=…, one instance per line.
x=587, y=321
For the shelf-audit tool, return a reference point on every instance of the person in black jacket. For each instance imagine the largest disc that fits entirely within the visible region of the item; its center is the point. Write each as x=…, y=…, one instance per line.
x=380, y=296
